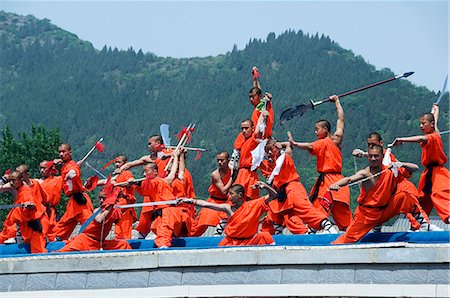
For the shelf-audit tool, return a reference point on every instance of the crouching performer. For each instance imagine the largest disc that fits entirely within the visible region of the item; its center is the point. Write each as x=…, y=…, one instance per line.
x=378, y=200
x=243, y=217
x=94, y=236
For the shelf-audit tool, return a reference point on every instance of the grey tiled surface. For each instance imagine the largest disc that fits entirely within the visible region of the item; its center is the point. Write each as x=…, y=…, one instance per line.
x=293, y=274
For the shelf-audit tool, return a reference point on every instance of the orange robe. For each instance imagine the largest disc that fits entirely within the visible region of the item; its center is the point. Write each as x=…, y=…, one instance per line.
x=247, y=177
x=242, y=226
x=208, y=217
x=53, y=187
x=123, y=227
x=377, y=205
x=162, y=161
x=153, y=190
x=436, y=192
x=75, y=212
x=240, y=139
x=30, y=219
x=94, y=236
x=329, y=165
x=293, y=204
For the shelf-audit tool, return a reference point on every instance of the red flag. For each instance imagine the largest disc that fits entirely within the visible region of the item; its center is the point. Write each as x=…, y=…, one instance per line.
x=255, y=73
x=198, y=155
x=100, y=147
x=109, y=163
x=187, y=131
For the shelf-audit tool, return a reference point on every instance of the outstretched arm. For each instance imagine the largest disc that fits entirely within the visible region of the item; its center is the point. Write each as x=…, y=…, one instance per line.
x=413, y=139
x=339, y=133
x=204, y=204
x=131, y=164
x=304, y=146
x=347, y=180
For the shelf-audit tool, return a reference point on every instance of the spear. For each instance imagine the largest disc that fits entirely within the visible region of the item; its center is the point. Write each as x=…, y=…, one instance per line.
x=171, y=202
x=11, y=206
x=438, y=100
x=302, y=108
x=185, y=137
x=98, y=146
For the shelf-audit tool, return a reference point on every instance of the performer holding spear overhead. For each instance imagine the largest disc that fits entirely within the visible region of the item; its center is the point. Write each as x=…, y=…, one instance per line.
x=327, y=150
x=434, y=185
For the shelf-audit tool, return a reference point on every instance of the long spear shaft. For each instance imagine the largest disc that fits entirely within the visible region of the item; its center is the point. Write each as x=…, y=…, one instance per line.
x=90, y=151
x=302, y=108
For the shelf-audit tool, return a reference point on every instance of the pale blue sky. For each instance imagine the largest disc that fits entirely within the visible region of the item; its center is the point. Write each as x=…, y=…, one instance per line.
x=401, y=35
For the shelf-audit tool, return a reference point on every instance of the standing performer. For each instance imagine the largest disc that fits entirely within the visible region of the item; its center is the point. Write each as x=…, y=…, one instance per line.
x=292, y=206
x=434, y=185
x=259, y=104
x=243, y=217
x=221, y=181
x=246, y=176
x=329, y=166
x=378, y=201
x=29, y=217
x=53, y=187
x=79, y=206
x=123, y=227
x=94, y=236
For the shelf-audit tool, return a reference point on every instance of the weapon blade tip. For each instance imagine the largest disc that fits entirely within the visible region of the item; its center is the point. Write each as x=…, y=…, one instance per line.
x=407, y=74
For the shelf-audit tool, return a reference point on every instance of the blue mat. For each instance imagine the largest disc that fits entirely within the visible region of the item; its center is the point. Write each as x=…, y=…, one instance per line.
x=13, y=250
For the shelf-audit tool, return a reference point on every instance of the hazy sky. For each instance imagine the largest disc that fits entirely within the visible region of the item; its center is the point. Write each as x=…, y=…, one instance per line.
x=401, y=35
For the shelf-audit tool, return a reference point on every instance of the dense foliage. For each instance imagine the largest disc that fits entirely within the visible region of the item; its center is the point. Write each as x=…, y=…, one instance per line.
x=49, y=77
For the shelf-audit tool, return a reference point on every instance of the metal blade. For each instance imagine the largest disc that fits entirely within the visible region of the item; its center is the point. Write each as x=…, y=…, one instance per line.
x=164, y=130
x=298, y=110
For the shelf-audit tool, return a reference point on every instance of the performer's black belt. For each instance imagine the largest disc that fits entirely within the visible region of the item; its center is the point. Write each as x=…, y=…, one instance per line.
x=428, y=183
x=374, y=207
x=319, y=181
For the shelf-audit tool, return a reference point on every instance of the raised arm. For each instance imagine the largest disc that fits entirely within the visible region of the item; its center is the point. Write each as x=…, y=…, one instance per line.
x=339, y=133
x=102, y=215
x=173, y=170
x=304, y=146
x=287, y=148
x=272, y=193
x=435, y=112
x=182, y=165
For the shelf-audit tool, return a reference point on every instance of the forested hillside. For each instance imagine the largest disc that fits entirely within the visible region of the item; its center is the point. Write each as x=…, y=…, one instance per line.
x=50, y=77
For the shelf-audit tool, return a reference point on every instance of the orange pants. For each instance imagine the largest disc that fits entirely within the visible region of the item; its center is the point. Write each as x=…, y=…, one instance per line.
x=366, y=218
x=84, y=242
x=145, y=223
x=51, y=234
x=291, y=221
x=9, y=228
x=175, y=222
x=36, y=239
x=298, y=206
x=262, y=238
x=440, y=192
x=123, y=228
x=247, y=178
x=207, y=218
x=74, y=214
x=342, y=215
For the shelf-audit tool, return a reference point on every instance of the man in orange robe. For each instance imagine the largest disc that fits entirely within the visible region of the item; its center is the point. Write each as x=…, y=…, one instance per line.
x=376, y=204
x=434, y=187
x=94, y=236
x=246, y=176
x=53, y=187
x=123, y=227
x=243, y=217
x=292, y=206
x=79, y=206
x=173, y=221
x=327, y=150
x=29, y=217
x=221, y=182
x=418, y=219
